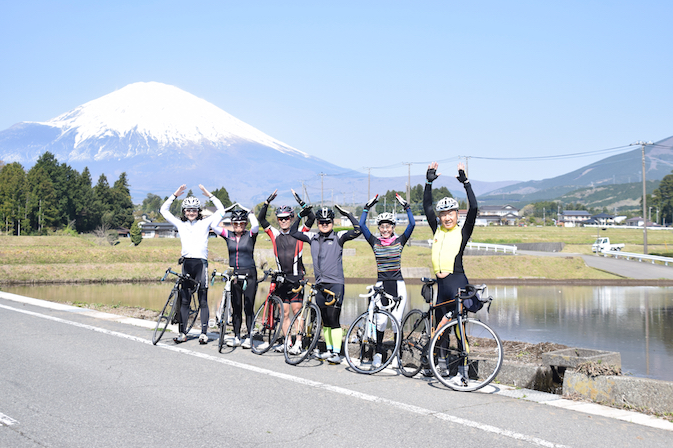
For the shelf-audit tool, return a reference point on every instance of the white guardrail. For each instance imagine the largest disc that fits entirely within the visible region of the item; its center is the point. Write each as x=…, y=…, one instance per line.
x=639, y=257
x=495, y=247
x=480, y=246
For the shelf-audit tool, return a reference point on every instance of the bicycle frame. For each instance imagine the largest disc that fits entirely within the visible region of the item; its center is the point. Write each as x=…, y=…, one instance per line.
x=376, y=293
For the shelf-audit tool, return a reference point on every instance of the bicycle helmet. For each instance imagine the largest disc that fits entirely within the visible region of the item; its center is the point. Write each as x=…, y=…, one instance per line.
x=191, y=202
x=446, y=204
x=239, y=216
x=325, y=214
x=385, y=217
x=284, y=211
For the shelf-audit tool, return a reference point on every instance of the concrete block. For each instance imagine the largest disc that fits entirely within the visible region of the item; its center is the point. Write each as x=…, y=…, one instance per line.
x=573, y=357
x=416, y=273
x=529, y=376
x=621, y=390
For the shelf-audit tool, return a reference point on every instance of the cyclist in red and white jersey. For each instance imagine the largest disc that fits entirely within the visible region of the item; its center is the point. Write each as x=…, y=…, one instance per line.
x=288, y=252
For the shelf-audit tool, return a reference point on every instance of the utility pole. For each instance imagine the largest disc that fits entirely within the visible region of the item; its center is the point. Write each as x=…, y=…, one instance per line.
x=642, y=148
x=408, y=181
x=322, y=176
x=369, y=182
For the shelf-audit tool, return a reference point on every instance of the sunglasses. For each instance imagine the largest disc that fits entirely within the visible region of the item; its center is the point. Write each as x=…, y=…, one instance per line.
x=284, y=218
x=324, y=223
x=191, y=210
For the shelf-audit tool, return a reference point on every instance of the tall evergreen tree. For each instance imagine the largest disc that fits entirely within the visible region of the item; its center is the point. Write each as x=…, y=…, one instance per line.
x=103, y=201
x=122, y=205
x=662, y=198
x=87, y=217
x=12, y=196
x=43, y=212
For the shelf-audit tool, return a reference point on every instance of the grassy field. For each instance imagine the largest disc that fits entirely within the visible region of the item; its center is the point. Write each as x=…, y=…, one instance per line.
x=84, y=258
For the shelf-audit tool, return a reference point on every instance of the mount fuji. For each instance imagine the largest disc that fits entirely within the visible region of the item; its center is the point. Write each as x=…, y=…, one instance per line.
x=162, y=137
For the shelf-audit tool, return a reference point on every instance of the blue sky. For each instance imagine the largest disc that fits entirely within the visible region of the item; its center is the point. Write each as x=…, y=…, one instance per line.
x=367, y=84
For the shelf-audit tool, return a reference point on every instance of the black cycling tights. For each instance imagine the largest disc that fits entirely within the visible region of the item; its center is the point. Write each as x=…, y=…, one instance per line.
x=197, y=268
x=243, y=301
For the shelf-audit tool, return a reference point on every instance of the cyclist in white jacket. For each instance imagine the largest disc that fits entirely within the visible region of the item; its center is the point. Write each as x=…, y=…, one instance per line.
x=193, y=230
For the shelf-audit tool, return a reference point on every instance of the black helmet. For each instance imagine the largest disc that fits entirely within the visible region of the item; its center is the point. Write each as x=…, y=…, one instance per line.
x=325, y=214
x=239, y=216
x=284, y=211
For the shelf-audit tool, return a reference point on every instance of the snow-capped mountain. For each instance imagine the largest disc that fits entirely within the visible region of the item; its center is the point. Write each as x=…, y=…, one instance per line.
x=162, y=137
x=151, y=117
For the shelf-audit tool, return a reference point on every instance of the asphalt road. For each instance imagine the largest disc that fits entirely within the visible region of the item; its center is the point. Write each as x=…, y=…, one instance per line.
x=76, y=378
x=624, y=268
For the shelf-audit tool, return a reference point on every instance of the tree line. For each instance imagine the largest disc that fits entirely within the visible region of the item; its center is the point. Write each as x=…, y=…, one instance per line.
x=52, y=196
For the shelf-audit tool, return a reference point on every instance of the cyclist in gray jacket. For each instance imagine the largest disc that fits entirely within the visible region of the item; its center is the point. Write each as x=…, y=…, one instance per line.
x=327, y=250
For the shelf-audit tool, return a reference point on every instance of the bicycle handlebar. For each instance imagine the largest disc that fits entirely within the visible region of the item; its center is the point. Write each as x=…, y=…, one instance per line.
x=180, y=276
x=378, y=290
x=304, y=282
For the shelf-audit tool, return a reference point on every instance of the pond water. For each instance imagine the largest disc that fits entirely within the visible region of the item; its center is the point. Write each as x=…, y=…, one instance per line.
x=635, y=321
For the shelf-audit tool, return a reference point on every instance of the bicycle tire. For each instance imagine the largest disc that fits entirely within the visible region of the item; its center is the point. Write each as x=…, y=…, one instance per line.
x=224, y=318
x=165, y=317
x=267, y=325
x=193, y=312
x=415, y=340
x=360, y=349
x=307, y=324
x=484, y=355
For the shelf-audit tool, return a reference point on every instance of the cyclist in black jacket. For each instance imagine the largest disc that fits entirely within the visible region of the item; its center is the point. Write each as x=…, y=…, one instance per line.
x=241, y=245
x=327, y=251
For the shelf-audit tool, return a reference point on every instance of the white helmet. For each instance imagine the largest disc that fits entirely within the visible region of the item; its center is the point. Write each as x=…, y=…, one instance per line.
x=385, y=217
x=446, y=204
x=191, y=202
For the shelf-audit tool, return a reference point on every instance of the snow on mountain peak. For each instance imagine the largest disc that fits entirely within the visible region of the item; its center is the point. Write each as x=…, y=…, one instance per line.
x=163, y=113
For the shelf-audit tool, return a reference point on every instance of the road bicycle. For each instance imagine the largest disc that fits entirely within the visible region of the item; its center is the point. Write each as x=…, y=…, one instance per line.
x=376, y=324
x=469, y=353
x=305, y=327
x=417, y=329
x=223, y=314
x=268, y=322
x=170, y=313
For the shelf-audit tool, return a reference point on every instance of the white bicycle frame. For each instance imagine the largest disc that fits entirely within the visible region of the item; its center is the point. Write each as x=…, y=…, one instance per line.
x=374, y=303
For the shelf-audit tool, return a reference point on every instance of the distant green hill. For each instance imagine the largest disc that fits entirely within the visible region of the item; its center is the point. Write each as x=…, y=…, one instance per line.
x=625, y=168
x=610, y=196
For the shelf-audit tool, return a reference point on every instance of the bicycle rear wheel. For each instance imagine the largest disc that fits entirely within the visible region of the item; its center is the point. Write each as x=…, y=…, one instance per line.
x=304, y=329
x=415, y=339
x=165, y=317
x=267, y=325
x=476, y=354
x=225, y=306
x=361, y=347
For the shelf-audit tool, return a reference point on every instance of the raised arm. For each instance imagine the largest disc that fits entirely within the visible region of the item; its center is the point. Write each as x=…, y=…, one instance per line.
x=430, y=176
x=294, y=229
x=352, y=233
x=165, y=207
x=363, y=217
x=262, y=216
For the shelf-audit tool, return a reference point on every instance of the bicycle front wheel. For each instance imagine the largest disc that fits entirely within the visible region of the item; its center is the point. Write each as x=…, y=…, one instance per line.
x=267, y=325
x=165, y=317
x=225, y=306
x=468, y=358
x=193, y=312
x=361, y=345
x=303, y=334
x=415, y=339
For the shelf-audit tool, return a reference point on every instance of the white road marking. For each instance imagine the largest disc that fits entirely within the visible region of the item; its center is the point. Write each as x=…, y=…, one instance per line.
x=336, y=389
x=7, y=420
